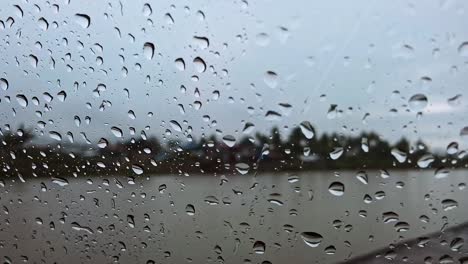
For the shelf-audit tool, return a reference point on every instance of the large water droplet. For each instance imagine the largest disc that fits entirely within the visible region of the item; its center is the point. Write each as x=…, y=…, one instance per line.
x=117, y=132
x=362, y=177
x=137, y=169
x=201, y=42
x=336, y=153
x=83, y=20
x=271, y=79
x=449, y=204
x=242, y=168
x=463, y=49
x=464, y=131
x=148, y=50
x=312, y=239
x=55, y=135
x=147, y=10
x=307, y=129
x=425, y=160
x=33, y=60
x=179, y=64
x=336, y=188
x=190, y=209
x=175, y=125
x=259, y=247
x=399, y=155
x=4, y=84
x=22, y=100
x=43, y=24
x=418, y=102
x=200, y=65
x=229, y=140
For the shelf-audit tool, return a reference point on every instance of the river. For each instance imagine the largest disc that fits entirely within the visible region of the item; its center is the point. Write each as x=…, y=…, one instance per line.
x=230, y=219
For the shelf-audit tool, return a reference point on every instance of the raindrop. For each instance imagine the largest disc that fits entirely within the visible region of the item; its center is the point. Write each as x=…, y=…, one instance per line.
x=399, y=155
x=336, y=188
x=190, y=210
x=33, y=60
x=336, y=153
x=55, y=135
x=425, y=161
x=148, y=50
x=147, y=10
x=307, y=129
x=248, y=128
x=262, y=39
x=117, y=132
x=229, y=140
x=464, y=131
x=83, y=20
x=463, y=49
x=200, y=65
x=43, y=24
x=201, y=42
x=22, y=100
x=4, y=84
x=62, y=95
x=311, y=239
x=179, y=64
x=176, y=126
x=452, y=148
x=455, y=100
x=449, y=204
x=271, y=79
x=418, y=102
x=102, y=143
x=362, y=177
x=242, y=168
x=137, y=169
x=259, y=247
x=60, y=181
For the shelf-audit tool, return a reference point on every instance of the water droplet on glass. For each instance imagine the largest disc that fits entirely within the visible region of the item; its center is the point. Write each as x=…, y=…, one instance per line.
x=180, y=64
x=117, y=132
x=417, y=102
x=307, y=129
x=242, y=168
x=229, y=140
x=55, y=135
x=271, y=79
x=425, y=160
x=43, y=24
x=259, y=247
x=336, y=188
x=148, y=50
x=83, y=20
x=4, y=84
x=200, y=65
x=449, y=204
x=176, y=126
x=336, y=153
x=190, y=209
x=362, y=177
x=399, y=155
x=463, y=49
x=22, y=100
x=147, y=10
x=137, y=169
x=312, y=239
x=201, y=42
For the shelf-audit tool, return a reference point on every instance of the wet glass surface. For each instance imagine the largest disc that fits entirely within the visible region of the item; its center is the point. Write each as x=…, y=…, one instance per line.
x=233, y=131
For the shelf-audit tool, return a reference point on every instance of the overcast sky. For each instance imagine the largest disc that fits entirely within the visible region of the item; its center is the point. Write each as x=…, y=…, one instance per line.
x=366, y=57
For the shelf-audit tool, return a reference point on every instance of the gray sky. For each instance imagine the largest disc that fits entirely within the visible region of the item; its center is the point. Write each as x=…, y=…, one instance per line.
x=353, y=54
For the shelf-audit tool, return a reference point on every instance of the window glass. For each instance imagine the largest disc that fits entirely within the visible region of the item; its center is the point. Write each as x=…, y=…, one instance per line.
x=233, y=131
